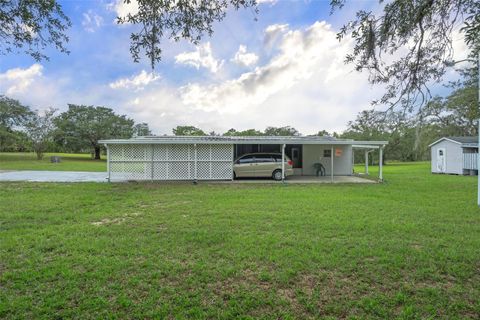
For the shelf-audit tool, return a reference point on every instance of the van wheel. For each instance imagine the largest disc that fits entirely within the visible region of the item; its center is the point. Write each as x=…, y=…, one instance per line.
x=277, y=175
x=234, y=175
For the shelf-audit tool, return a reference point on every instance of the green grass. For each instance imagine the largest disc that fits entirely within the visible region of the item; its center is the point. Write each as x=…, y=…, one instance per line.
x=69, y=162
x=408, y=249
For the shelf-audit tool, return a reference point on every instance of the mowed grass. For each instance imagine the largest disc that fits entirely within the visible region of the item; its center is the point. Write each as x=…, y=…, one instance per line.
x=408, y=249
x=69, y=162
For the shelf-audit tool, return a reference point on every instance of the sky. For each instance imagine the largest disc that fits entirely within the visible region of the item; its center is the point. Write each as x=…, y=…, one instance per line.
x=284, y=68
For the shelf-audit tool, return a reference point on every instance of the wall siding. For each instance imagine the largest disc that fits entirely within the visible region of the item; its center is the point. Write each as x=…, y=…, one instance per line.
x=454, y=157
x=342, y=165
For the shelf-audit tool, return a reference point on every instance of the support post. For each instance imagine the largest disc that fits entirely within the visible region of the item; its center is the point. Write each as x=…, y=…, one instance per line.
x=283, y=163
x=108, y=162
x=331, y=164
x=195, y=163
x=380, y=164
x=366, y=162
x=353, y=161
x=151, y=163
x=478, y=158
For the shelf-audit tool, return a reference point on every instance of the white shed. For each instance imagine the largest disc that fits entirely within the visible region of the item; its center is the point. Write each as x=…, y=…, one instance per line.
x=455, y=155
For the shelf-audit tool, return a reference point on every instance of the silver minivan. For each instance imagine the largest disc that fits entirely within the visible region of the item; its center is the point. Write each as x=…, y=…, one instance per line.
x=262, y=165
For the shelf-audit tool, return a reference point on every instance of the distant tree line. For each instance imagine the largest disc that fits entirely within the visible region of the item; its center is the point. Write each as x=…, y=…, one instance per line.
x=77, y=129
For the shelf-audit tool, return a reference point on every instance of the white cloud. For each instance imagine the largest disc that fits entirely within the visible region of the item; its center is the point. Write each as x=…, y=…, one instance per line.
x=271, y=2
x=136, y=82
x=302, y=53
x=18, y=80
x=201, y=57
x=244, y=58
x=91, y=21
x=273, y=32
x=305, y=85
x=122, y=9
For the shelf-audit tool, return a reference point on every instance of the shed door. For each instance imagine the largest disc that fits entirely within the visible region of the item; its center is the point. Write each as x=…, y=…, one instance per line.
x=441, y=160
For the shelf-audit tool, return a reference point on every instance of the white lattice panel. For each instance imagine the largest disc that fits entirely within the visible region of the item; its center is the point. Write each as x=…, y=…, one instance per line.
x=171, y=162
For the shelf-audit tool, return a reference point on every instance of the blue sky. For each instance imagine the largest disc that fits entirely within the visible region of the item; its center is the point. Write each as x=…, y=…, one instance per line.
x=286, y=68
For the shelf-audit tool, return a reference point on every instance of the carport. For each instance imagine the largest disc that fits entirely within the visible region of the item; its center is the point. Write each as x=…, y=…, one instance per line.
x=211, y=157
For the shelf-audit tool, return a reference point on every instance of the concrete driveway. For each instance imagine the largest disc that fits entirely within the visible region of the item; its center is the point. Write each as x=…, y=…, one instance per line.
x=53, y=176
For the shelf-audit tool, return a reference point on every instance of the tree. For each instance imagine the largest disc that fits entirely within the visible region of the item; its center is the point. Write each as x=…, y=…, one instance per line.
x=31, y=26
x=188, y=131
x=456, y=114
x=174, y=20
x=82, y=126
x=13, y=115
x=322, y=133
x=39, y=130
x=248, y=132
x=408, y=44
x=393, y=127
x=141, y=129
x=281, y=131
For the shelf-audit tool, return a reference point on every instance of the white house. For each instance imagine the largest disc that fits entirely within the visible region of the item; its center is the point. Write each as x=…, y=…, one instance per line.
x=455, y=155
x=212, y=157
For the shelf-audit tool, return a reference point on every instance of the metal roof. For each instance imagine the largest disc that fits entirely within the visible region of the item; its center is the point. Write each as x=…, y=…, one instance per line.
x=240, y=140
x=465, y=142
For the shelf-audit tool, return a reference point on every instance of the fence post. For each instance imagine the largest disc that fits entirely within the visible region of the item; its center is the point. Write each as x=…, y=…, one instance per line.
x=151, y=163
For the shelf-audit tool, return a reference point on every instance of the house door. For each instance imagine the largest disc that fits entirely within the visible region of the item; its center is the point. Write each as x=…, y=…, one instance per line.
x=441, y=160
x=296, y=158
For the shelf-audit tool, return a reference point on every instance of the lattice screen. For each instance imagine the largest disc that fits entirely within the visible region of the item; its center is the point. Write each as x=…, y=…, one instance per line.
x=171, y=162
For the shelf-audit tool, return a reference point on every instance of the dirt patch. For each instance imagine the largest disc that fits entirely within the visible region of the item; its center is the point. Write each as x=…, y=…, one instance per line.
x=107, y=221
x=118, y=220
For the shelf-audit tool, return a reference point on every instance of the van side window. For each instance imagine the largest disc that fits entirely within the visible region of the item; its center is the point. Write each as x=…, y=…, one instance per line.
x=263, y=158
x=327, y=153
x=244, y=160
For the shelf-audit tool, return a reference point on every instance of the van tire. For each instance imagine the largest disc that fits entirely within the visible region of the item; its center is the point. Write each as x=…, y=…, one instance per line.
x=277, y=175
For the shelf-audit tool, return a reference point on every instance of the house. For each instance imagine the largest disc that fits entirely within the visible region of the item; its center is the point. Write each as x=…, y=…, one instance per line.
x=455, y=155
x=212, y=157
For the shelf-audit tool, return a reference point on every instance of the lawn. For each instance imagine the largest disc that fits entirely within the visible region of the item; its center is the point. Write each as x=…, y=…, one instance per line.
x=69, y=162
x=408, y=248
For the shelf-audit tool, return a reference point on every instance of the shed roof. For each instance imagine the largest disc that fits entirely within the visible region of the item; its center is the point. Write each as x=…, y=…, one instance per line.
x=466, y=142
x=241, y=140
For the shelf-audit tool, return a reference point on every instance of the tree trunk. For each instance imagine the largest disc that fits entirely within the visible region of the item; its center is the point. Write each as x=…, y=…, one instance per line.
x=97, y=153
x=39, y=154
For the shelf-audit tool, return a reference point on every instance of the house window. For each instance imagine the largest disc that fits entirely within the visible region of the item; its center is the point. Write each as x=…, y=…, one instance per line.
x=327, y=153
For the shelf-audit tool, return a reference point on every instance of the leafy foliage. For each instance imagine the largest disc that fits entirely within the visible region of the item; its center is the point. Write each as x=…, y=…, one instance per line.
x=30, y=26
x=248, y=132
x=39, y=129
x=281, y=131
x=82, y=126
x=188, y=131
x=12, y=116
x=175, y=20
x=141, y=129
x=408, y=45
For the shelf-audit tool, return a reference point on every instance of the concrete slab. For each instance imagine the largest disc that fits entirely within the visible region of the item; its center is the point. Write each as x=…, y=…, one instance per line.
x=77, y=176
x=309, y=180
x=53, y=176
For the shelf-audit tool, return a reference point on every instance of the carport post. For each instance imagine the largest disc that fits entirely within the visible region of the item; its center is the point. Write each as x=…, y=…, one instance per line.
x=195, y=162
x=151, y=163
x=283, y=163
x=331, y=164
x=380, y=164
x=108, y=162
x=366, y=162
